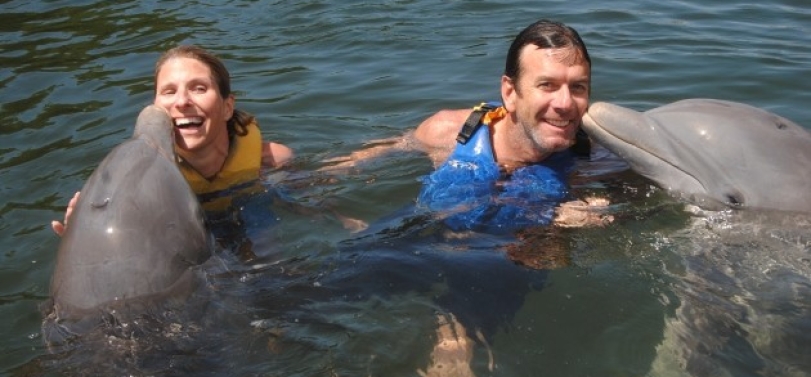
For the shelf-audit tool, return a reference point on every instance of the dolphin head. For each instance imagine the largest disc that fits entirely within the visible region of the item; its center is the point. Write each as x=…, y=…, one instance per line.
x=713, y=153
x=137, y=234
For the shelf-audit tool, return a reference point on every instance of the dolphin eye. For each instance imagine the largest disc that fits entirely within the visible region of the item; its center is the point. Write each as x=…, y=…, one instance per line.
x=781, y=126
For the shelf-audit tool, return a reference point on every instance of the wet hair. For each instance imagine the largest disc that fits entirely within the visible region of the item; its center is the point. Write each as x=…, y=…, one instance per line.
x=546, y=35
x=239, y=121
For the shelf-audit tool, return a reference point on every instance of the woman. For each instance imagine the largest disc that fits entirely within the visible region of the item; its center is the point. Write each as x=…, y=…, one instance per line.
x=218, y=146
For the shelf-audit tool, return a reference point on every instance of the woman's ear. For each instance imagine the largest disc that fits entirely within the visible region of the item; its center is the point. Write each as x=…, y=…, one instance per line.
x=228, y=109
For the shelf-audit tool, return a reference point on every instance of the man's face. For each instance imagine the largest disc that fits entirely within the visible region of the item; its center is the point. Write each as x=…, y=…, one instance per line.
x=550, y=96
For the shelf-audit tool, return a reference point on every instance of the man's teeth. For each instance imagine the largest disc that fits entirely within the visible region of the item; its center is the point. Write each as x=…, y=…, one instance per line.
x=558, y=123
x=187, y=122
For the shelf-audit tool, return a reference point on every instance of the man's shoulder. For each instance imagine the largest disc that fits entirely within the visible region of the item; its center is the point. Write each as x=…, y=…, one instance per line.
x=440, y=129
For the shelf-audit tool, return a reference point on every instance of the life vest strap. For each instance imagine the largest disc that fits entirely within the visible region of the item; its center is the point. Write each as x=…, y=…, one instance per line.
x=474, y=121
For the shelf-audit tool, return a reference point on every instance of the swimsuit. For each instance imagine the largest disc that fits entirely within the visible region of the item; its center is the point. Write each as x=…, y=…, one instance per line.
x=471, y=192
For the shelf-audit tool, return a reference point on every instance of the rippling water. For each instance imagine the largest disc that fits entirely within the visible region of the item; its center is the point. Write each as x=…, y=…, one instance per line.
x=326, y=76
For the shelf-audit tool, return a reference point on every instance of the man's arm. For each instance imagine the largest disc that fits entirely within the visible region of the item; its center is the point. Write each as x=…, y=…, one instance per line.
x=437, y=133
x=371, y=150
x=439, y=130
x=435, y=136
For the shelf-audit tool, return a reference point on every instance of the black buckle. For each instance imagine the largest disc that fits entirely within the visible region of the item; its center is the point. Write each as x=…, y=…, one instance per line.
x=473, y=122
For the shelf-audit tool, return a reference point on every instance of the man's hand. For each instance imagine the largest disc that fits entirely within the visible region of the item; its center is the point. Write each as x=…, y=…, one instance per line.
x=581, y=213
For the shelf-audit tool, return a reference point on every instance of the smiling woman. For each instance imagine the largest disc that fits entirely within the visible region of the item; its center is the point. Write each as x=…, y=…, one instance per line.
x=218, y=146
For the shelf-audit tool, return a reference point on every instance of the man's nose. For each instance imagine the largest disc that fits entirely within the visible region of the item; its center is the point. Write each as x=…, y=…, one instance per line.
x=563, y=98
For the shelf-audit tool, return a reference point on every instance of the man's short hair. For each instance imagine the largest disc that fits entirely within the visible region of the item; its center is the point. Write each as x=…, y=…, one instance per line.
x=544, y=34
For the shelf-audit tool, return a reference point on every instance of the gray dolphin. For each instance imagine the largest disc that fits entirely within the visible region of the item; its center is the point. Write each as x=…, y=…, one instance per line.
x=713, y=153
x=136, y=233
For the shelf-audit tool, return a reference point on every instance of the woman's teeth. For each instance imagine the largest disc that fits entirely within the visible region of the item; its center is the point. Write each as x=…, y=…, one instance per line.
x=189, y=122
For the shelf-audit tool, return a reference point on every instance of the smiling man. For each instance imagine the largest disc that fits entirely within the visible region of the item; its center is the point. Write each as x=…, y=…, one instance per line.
x=545, y=92
x=504, y=165
x=500, y=167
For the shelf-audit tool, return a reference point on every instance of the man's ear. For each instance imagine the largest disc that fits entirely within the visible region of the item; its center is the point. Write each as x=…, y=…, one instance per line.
x=508, y=93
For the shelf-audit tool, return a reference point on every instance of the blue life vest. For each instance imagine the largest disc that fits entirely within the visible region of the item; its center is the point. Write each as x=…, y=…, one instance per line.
x=471, y=192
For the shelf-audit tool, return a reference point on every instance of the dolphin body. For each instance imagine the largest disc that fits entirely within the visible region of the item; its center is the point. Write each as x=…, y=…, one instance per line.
x=714, y=153
x=135, y=236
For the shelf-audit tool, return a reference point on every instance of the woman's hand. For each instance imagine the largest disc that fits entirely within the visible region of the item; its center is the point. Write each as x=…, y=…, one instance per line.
x=59, y=228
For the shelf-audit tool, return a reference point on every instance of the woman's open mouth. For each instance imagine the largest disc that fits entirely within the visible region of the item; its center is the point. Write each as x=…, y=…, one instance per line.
x=189, y=122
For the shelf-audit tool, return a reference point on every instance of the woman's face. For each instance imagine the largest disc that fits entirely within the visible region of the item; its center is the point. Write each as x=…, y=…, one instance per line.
x=186, y=88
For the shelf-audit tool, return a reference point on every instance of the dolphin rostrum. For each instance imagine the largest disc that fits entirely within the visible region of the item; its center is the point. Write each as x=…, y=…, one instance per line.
x=714, y=153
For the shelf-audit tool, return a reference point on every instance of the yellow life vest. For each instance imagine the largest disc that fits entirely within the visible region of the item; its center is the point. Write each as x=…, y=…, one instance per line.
x=241, y=166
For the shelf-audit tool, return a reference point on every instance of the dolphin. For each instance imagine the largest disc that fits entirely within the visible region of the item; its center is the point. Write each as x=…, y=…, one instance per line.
x=716, y=154
x=136, y=235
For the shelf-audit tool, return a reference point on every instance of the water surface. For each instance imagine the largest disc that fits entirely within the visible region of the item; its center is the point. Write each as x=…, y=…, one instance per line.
x=324, y=78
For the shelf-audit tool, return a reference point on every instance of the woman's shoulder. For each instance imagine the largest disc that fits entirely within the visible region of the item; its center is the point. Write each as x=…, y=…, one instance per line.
x=276, y=154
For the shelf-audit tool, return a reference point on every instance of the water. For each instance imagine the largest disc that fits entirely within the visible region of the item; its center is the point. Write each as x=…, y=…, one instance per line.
x=326, y=77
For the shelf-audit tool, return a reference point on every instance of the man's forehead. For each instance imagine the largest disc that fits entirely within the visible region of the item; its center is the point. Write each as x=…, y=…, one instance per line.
x=568, y=55
x=553, y=64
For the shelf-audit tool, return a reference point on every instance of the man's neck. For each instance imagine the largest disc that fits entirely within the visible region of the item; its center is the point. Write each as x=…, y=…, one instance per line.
x=511, y=147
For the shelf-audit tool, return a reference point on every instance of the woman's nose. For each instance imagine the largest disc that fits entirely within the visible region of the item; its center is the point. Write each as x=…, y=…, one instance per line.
x=181, y=99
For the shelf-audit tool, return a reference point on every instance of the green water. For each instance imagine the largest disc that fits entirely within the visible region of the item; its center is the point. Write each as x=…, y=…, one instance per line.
x=326, y=76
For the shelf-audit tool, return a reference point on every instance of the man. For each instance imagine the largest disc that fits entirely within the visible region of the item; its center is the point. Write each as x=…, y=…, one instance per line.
x=545, y=92
x=504, y=165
